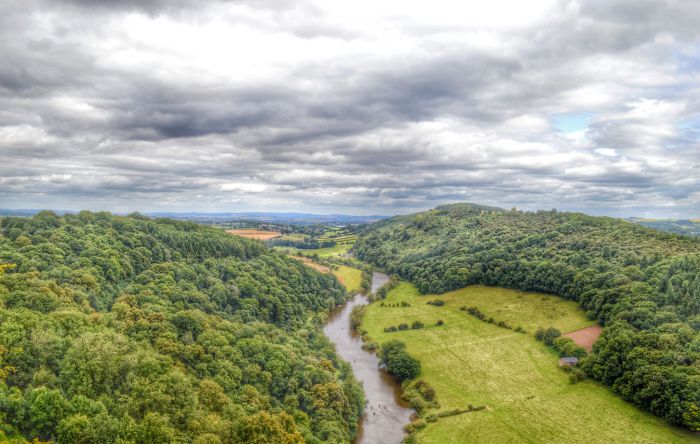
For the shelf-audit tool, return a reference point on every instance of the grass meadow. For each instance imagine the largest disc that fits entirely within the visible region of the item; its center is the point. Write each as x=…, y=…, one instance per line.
x=528, y=398
x=321, y=252
x=351, y=278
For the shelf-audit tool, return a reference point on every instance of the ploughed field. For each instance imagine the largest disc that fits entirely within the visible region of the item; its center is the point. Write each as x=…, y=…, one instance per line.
x=527, y=397
x=585, y=337
x=251, y=233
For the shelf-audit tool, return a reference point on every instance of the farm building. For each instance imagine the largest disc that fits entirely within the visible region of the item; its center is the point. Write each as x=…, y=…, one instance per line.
x=568, y=361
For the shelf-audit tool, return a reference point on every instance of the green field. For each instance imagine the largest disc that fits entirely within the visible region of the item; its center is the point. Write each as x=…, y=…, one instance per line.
x=351, y=278
x=528, y=398
x=321, y=252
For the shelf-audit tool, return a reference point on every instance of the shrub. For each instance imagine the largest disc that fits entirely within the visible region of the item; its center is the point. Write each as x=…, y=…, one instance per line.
x=415, y=426
x=398, y=362
x=370, y=346
x=567, y=347
x=436, y=302
x=416, y=325
x=439, y=322
x=403, y=326
x=356, y=316
x=426, y=390
x=539, y=334
x=550, y=335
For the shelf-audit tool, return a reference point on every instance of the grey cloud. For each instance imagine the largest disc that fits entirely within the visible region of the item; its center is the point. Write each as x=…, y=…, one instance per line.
x=436, y=121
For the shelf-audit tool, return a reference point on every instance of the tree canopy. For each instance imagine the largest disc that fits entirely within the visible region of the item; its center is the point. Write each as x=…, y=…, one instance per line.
x=130, y=330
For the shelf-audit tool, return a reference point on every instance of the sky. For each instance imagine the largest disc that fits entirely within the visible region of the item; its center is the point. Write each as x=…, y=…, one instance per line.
x=356, y=107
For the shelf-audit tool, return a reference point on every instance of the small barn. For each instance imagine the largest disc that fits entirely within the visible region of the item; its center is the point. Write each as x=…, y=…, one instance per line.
x=568, y=361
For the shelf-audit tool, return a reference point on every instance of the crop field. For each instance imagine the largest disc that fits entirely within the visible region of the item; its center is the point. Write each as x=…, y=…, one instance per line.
x=252, y=233
x=585, y=337
x=527, y=397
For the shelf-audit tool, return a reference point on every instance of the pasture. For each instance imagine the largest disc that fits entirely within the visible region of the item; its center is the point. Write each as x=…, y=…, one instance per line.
x=527, y=397
x=350, y=277
x=321, y=252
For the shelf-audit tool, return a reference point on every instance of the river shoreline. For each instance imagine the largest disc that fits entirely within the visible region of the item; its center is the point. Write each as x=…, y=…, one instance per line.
x=385, y=412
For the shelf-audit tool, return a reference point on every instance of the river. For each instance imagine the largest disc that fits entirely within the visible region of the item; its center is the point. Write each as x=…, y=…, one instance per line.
x=385, y=412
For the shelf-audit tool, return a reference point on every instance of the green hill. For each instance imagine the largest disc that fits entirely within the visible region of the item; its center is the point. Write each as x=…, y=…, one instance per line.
x=643, y=285
x=124, y=329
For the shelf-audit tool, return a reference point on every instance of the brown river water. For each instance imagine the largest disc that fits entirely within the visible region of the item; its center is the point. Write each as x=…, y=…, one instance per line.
x=385, y=412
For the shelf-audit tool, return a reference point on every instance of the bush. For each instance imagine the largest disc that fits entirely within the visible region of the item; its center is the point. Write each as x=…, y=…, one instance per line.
x=398, y=362
x=439, y=322
x=403, y=326
x=356, y=316
x=415, y=426
x=416, y=325
x=567, y=347
x=436, y=302
x=550, y=335
x=426, y=390
x=539, y=334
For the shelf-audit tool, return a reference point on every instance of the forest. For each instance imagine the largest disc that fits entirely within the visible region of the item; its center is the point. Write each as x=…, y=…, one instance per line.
x=132, y=330
x=642, y=285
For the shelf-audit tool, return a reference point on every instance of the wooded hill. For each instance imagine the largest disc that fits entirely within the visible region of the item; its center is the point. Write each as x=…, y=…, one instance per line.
x=643, y=285
x=124, y=329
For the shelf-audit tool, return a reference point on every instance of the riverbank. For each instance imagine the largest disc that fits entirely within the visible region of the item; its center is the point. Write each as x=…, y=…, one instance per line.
x=385, y=412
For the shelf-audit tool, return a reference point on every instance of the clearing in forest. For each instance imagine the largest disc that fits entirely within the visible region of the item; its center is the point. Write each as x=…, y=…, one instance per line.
x=252, y=233
x=527, y=397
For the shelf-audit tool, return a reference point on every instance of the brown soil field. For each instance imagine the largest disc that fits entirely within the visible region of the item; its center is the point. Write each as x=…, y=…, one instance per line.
x=585, y=337
x=255, y=234
x=308, y=262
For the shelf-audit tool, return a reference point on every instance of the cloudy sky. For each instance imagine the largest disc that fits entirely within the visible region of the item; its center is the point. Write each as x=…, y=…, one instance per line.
x=356, y=106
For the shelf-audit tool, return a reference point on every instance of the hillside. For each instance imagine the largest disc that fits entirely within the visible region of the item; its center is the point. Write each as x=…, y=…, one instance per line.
x=124, y=329
x=643, y=285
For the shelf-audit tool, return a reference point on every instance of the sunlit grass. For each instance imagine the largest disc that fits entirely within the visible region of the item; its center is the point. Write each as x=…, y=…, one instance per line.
x=351, y=278
x=528, y=398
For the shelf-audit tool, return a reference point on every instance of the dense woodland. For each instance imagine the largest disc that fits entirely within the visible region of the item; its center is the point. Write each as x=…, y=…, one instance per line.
x=129, y=330
x=643, y=285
